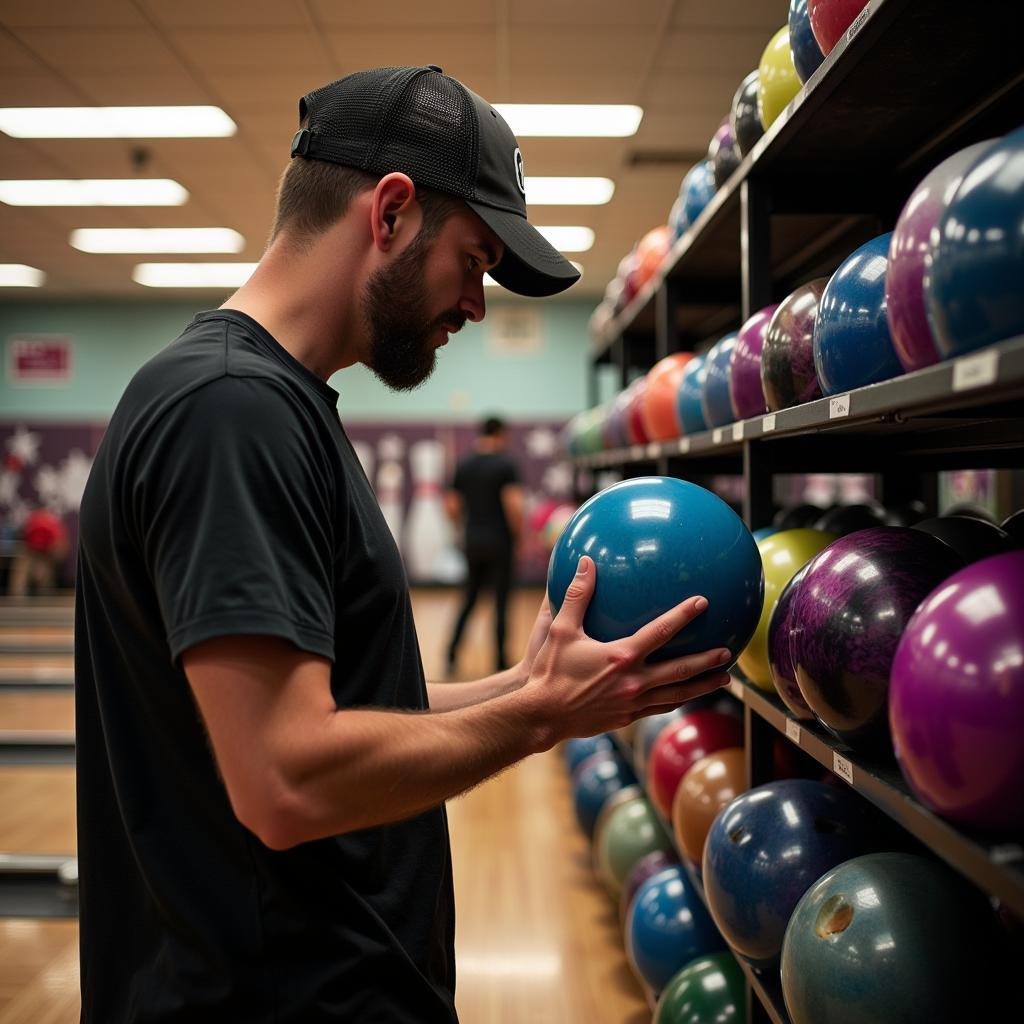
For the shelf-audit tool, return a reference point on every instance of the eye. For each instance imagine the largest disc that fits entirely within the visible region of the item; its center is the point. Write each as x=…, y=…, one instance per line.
x=472, y=264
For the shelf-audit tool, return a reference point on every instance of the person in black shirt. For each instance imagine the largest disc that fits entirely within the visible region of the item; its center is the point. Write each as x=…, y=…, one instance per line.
x=262, y=768
x=487, y=499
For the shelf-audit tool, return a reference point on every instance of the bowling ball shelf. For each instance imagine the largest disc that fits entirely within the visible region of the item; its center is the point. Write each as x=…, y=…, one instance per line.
x=850, y=146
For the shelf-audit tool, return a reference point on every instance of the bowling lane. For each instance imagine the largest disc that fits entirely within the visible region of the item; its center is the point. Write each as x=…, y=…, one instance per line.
x=36, y=712
x=38, y=972
x=38, y=804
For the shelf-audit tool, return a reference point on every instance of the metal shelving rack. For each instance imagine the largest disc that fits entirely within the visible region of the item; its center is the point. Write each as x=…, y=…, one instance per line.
x=908, y=85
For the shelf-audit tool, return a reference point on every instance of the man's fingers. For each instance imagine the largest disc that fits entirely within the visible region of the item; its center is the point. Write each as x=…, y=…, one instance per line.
x=675, y=694
x=680, y=669
x=657, y=633
x=578, y=595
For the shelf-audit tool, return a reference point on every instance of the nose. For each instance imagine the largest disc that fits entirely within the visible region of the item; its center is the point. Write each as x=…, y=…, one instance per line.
x=472, y=304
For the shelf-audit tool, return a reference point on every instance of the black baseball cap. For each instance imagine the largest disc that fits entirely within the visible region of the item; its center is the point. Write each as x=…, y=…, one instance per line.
x=424, y=123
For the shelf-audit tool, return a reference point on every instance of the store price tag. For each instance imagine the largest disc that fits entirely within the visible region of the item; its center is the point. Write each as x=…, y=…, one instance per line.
x=792, y=731
x=716, y=436
x=858, y=23
x=1007, y=853
x=768, y=423
x=839, y=407
x=684, y=446
x=653, y=450
x=737, y=431
x=975, y=371
x=842, y=767
x=636, y=452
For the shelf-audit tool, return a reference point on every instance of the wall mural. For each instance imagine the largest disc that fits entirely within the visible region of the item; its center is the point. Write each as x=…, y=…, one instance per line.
x=408, y=464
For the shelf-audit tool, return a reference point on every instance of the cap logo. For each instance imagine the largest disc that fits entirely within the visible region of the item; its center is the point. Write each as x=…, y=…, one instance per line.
x=520, y=173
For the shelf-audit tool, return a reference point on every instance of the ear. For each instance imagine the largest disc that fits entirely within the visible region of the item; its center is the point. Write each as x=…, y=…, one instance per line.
x=395, y=215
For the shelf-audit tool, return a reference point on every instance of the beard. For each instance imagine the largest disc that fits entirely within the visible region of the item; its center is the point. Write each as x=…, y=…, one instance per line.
x=395, y=306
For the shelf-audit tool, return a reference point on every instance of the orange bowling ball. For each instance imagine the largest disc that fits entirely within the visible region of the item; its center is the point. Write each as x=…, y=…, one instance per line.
x=658, y=406
x=705, y=789
x=651, y=252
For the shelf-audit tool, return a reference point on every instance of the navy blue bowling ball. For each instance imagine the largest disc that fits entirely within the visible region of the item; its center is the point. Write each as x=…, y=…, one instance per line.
x=596, y=780
x=807, y=55
x=852, y=344
x=668, y=926
x=689, y=395
x=766, y=848
x=578, y=750
x=655, y=542
x=975, y=268
x=697, y=190
x=715, y=401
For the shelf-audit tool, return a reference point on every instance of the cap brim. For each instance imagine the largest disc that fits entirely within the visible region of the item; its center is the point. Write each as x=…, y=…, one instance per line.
x=531, y=265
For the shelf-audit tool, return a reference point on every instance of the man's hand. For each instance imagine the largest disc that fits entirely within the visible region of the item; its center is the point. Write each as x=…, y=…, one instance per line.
x=538, y=635
x=581, y=686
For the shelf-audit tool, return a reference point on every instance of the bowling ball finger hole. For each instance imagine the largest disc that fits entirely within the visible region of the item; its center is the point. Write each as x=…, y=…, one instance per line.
x=835, y=917
x=829, y=827
x=737, y=835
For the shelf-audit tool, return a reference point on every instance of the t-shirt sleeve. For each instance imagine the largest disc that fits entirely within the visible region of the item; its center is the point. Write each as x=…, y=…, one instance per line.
x=233, y=501
x=510, y=474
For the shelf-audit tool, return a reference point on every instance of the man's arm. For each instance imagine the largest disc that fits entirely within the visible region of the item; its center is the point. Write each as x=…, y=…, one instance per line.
x=453, y=505
x=297, y=769
x=513, y=502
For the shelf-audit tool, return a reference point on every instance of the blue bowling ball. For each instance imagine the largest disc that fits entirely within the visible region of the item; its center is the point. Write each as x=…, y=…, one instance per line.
x=852, y=344
x=677, y=221
x=655, y=542
x=578, y=750
x=715, y=401
x=689, y=395
x=697, y=190
x=766, y=848
x=764, y=531
x=807, y=55
x=667, y=927
x=974, y=273
x=596, y=780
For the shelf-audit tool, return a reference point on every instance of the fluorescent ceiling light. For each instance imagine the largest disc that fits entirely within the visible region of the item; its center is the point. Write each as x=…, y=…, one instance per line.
x=115, y=122
x=93, y=192
x=157, y=240
x=569, y=239
x=18, y=275
x=192, y=275
x=607, y=120
x=569, y=191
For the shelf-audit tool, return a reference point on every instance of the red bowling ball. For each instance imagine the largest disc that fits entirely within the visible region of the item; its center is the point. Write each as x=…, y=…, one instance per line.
x=681, y=745
x=831, y=18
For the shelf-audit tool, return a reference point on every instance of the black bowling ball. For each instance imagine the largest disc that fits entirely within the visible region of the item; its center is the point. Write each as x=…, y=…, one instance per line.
x=844, y=519
x=796, y=517
x=972, y=539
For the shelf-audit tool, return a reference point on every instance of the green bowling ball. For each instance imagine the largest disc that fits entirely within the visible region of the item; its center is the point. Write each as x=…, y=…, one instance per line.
x=709, y=990
x=630, y=831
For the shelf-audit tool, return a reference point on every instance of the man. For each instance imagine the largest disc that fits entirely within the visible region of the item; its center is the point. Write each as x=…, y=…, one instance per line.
x=486, y=498
x=261, y=766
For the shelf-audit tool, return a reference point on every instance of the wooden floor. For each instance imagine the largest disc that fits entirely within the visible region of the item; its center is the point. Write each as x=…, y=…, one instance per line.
x=538, y=940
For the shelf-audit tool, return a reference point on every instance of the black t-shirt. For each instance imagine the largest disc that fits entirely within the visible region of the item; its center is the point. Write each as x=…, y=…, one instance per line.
x=226, y=499
x=480, y=478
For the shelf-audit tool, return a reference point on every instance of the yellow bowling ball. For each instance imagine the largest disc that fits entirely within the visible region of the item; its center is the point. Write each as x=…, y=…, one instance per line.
x=783, y=554
x=777, y=81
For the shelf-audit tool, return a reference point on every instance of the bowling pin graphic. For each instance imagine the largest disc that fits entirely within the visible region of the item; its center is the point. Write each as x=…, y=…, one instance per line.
x=427, y=529
x=391, y=496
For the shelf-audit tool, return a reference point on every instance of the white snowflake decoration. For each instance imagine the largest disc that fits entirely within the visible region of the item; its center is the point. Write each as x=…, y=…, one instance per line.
x=541, y=443
x=61, y=489
x=557, y=479
x=24, y=445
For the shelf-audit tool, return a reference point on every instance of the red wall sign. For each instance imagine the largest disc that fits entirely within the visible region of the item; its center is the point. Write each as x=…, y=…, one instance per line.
x=39, y=359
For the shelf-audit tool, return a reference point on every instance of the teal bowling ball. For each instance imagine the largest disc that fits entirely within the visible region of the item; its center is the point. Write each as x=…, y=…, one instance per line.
x=656, y=541
x=974, y=272
x=893, y=937
x=689, y=395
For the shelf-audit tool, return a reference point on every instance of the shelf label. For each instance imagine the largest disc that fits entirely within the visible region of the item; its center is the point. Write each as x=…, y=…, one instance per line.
x=839, y=407
x=737, y=431
x=975, y=371
x=636, y=452
x=858, y=22
x=842, y=767
x=716, y=436
x=653, y=450
x=768, y=423
x=684, y=446
x=792, y=731
x=1006, y=853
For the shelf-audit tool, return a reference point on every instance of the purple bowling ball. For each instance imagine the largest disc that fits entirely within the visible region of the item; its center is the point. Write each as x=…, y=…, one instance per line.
x=904, y=288
x=957, y=696
x=614, y=431
x=780, y=661
x=723, y=153
x=745, y=392
x=787, y=358
x=849, y=613
x=648, y=866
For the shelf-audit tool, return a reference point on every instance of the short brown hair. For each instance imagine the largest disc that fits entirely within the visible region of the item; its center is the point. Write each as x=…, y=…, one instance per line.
x=314, y=194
